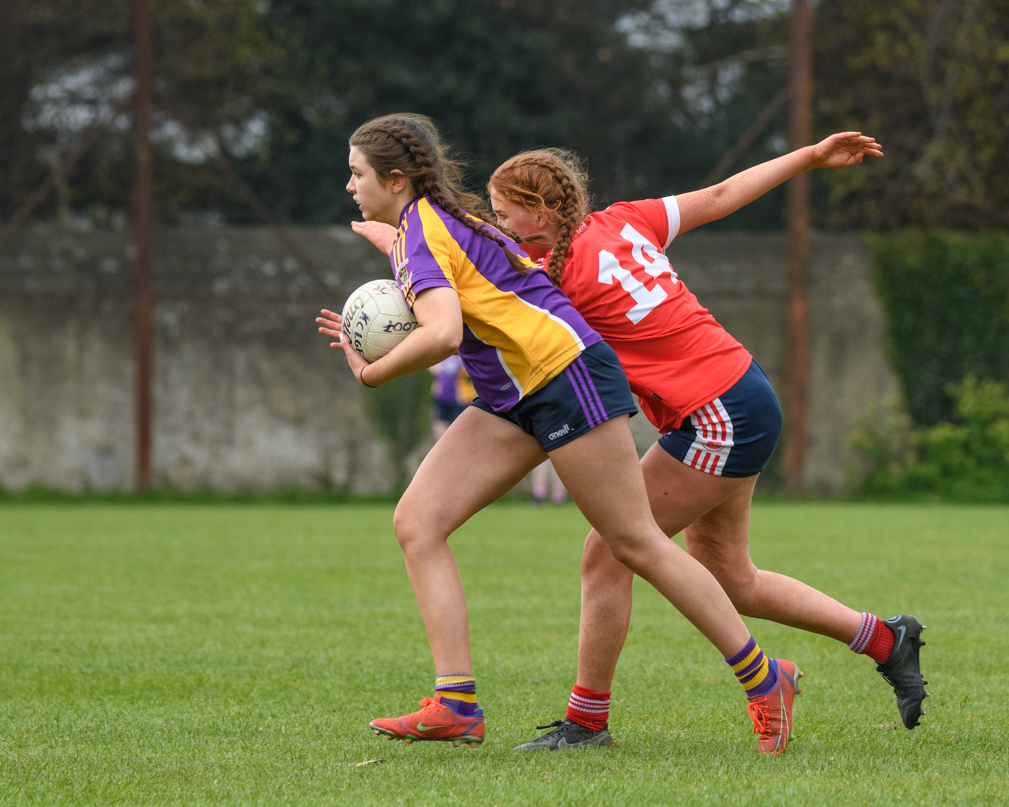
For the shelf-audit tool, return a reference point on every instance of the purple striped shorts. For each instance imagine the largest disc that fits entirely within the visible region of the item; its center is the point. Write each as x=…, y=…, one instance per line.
x=588, y=392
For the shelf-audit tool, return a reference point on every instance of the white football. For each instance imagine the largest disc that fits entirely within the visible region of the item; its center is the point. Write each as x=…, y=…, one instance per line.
x=376, y=318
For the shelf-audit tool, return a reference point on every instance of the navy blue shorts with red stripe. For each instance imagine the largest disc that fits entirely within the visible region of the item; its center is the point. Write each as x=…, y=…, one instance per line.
x=588, y=392
x=733, y=435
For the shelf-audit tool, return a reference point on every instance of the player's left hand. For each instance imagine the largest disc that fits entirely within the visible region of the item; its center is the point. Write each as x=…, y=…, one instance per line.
x=331, y=325
x=381, y=235
x=845, y=148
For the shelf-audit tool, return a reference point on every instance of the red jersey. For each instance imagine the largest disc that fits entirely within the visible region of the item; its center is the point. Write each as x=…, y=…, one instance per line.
x=676, y=356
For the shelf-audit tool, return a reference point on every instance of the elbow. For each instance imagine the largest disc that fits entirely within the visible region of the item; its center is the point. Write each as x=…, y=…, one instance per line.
x=716, y=194
x=720, y=201
x=446, y=340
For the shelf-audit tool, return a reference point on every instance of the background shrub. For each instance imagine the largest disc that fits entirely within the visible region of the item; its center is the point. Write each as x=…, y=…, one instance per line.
x=946, y=298
x=964, y=459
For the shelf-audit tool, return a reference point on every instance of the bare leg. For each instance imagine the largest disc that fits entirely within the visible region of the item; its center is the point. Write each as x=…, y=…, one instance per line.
x=720, y=539
x=607, y=583
x=603, y=476
x=713, y=512
x=605, y=616
x=478, y=459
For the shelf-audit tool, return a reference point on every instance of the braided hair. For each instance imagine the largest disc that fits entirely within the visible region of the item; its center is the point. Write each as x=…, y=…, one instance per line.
x=555, y=179
x=410, y=143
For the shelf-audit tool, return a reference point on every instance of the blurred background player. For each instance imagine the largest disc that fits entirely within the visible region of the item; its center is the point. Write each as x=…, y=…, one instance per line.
x=451, y=392
x=546, y=482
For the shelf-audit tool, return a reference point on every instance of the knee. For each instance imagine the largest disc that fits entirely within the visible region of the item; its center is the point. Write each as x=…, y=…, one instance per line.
x=600, y=568
x=738, y=579
x=401, y=525
x=629, y=552
x=411, y=529
x=734, y=572
x=741, y=589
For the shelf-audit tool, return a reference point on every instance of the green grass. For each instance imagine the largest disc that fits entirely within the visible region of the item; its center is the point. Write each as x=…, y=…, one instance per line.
x=181, y=654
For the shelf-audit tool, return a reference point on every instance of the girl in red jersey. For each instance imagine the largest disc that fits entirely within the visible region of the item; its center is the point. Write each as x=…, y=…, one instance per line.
x=548, y=386
x=717, y=413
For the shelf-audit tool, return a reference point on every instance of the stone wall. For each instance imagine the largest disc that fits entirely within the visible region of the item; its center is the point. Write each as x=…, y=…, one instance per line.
x=248, y=396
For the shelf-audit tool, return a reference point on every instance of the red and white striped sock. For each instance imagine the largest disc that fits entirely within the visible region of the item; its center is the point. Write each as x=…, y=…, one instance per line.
x=874, y=639
x=589, y=708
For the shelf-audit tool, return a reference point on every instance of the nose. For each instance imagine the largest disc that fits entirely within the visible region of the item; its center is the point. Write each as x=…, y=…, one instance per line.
x=351, y=188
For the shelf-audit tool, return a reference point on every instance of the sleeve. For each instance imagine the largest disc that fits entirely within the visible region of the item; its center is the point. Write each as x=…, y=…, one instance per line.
x=662, y=217
x=672, y=218
x=420, y=265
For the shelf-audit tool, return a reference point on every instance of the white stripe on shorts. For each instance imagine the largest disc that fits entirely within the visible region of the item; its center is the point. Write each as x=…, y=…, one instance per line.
x=713, y=444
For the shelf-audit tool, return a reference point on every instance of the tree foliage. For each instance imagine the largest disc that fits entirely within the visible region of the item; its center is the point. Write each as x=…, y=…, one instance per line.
x=649, y=94
x=497, y=75
x=946, y=298
x=964, y=459
x=930, y=79
x=214, y=71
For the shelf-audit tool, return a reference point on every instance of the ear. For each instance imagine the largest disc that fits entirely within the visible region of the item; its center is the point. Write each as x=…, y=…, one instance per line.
x=397, y=180
x=542, y=216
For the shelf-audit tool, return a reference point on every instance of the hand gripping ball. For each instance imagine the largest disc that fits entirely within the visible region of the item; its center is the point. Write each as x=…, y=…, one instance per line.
x=376, y=318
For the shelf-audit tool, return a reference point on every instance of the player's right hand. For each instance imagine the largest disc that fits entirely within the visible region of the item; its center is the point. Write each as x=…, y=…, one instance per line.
x=331, y=325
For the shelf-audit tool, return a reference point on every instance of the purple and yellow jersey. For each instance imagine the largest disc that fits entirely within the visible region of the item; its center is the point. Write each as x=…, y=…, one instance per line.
x=519, y=331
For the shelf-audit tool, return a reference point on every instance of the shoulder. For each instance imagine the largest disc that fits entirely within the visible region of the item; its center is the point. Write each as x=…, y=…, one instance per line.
x=656, y=220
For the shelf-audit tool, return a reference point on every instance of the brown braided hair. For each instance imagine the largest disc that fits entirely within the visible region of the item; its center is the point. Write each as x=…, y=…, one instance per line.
x=555, y=179
x=411, y=144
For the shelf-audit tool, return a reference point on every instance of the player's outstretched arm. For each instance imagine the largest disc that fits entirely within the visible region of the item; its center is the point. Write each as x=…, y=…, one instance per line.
x=709, y=204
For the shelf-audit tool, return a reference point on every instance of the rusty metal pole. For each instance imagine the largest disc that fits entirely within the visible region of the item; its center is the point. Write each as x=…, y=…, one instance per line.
x=800, y=131
x=143, y=231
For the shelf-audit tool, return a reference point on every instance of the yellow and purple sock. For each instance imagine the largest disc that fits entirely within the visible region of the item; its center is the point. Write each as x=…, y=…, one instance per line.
x=753, y=670
x=458, y=693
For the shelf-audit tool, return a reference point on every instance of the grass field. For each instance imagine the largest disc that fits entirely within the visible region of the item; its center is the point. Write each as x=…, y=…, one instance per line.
x=234, y=655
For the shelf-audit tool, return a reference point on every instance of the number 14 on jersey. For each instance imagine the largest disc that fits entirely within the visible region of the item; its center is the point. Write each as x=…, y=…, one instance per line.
x=645, y=255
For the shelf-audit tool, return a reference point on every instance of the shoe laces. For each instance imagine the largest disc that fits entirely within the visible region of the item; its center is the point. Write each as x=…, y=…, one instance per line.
x=431, y=705
x=555, y=724
x=761, y=717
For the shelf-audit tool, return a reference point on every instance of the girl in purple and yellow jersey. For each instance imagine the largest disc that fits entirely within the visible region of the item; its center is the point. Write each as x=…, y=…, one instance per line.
x=519, y=330
x=547, y=385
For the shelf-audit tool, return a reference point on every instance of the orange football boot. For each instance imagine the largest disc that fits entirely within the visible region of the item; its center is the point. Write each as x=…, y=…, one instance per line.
x=772, y=713
x=433, y=722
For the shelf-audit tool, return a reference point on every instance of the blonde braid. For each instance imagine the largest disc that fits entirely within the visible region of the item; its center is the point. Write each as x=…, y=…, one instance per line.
x=555, y=180
x=568, y=211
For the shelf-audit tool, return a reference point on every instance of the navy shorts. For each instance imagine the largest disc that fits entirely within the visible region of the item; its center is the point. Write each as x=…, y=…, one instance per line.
x=734, y=434
x=588, y=392
x=446, y=411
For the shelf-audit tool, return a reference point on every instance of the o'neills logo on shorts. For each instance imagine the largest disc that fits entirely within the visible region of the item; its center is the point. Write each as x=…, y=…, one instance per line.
x=714, y=445
x=565, y=429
